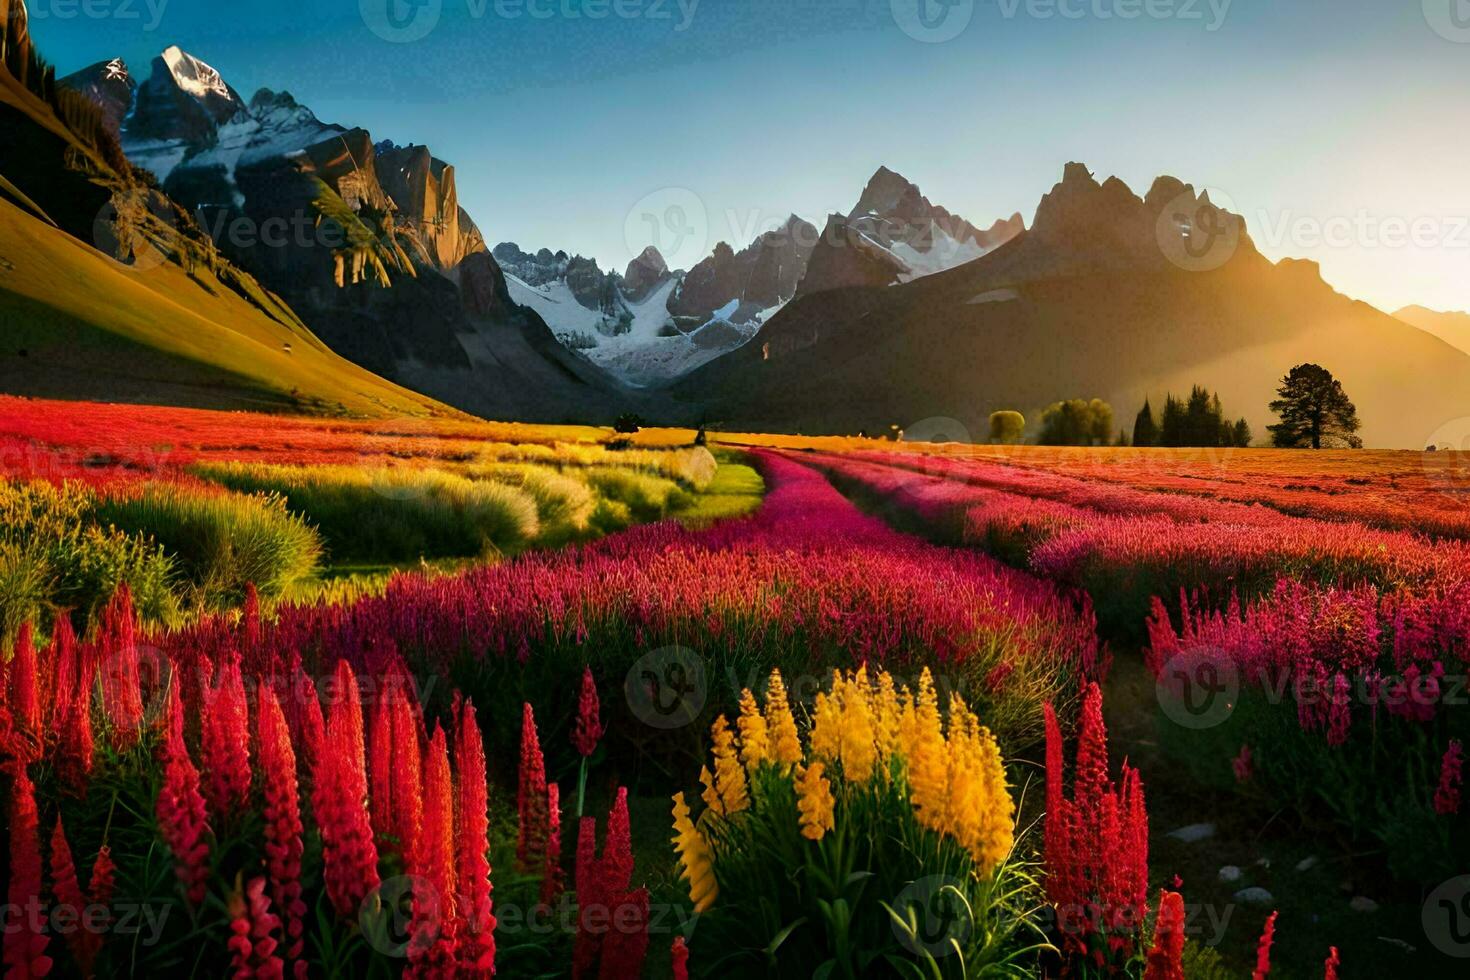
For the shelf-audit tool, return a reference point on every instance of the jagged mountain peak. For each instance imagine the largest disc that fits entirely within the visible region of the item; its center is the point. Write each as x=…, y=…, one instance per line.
x=195, y=77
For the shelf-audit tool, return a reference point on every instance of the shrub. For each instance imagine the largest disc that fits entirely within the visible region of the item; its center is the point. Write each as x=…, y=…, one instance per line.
x=1007, y=428
x=54, y=556
x=220, y=542
x=564, y=504
x=394, y=515
x=648, y=497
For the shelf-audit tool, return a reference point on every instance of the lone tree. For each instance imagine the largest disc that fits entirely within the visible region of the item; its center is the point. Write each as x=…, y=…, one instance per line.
x=1007, y=428
x=1077, y=423
x=1314, y=411
x=1145, y=429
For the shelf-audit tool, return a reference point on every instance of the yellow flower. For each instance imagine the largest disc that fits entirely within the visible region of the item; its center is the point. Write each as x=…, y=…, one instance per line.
x=781, y=725
x=825, y=738
x=729, y=775
x=695, y=858
x=814, y=801
x=754, y=748
x=887, y=716
x=928, y=758
x=980, y=813
x=855, y=732
x=710, y=795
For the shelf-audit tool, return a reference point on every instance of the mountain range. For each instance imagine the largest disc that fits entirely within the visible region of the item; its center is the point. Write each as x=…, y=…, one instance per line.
x=168, y=240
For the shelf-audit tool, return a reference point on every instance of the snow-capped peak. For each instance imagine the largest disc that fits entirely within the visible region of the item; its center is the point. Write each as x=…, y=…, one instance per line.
x=194, y=76
x=115, y=70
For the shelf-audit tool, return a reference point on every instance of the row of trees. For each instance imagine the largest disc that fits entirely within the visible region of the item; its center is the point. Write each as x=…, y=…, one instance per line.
x=1198, y=421
x=1314, y=410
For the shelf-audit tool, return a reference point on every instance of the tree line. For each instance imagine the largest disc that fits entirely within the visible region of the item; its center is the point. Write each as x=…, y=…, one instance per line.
x=1314, y=411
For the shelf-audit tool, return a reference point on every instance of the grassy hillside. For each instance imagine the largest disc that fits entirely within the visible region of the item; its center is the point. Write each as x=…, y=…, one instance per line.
x=78, y=324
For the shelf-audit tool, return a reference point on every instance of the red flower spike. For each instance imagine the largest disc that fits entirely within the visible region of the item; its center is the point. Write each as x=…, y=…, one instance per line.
x=407, y=790
x=225, y=740
x=432, y=949
x=1451, y=777
x=551, y=879
x=349, y=854
x=24, y=949
x=531, y=797
x=472, y=845
x=1330, y=967
x=588, y=731
x=1263, y=950
x=253, y=930
x=283, y=843
x=181, y=812
x=679, y=956
x=1166, y=958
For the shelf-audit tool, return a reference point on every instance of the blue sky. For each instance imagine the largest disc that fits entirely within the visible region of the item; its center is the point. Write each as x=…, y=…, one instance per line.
x=1336, y=126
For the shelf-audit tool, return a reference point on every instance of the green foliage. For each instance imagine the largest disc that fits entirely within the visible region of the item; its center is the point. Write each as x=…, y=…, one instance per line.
x=1315, y=411
x=1007, y=428
x=220, y=542
x=1204, y=963
x=648, y=498
x=1198, y=422
x=393, y=515
x=54, y=556
x=1145, y=428
x=736, y=491
x=1077, y=423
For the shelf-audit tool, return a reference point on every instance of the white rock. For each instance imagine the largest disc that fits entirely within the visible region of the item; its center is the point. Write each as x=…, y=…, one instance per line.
x=1363, y=904
x=1230, y=874
x=1254, y=896
x=1306, y=864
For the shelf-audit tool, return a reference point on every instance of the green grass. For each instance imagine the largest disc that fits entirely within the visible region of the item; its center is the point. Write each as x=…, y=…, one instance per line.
x=736, y=491
x=394, y=515
x=164, y=335
x=220, y=543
